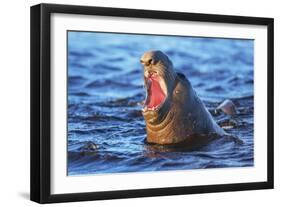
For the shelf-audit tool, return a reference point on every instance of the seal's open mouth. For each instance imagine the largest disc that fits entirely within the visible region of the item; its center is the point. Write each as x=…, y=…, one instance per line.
x=156, y=91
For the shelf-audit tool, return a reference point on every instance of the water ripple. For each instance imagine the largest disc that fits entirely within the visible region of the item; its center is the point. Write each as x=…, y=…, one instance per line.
x=106, y=130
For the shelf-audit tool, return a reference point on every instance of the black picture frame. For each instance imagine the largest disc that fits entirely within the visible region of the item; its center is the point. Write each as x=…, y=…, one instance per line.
x=41, y=97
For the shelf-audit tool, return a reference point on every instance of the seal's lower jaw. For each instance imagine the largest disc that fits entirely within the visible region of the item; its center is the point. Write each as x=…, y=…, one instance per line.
x=156, y=93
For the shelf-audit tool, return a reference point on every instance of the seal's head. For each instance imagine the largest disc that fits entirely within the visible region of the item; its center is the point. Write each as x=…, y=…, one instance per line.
x=159, y=78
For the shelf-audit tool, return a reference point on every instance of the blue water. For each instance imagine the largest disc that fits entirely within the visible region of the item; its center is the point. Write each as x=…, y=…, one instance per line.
x=105, y=88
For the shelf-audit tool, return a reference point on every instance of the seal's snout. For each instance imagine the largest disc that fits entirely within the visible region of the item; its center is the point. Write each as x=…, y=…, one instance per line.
x=154, y=83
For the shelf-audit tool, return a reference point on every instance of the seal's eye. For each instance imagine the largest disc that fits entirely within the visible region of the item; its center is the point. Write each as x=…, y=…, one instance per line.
x=153, y=61
x=148, y=62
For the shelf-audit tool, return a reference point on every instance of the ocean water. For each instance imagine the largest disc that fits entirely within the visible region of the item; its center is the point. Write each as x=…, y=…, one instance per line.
x=106, y=130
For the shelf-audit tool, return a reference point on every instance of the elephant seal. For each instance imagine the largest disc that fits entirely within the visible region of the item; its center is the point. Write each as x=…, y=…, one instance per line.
x=172, y=110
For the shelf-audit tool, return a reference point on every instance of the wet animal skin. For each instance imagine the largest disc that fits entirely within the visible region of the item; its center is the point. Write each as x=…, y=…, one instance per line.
x=172, y=110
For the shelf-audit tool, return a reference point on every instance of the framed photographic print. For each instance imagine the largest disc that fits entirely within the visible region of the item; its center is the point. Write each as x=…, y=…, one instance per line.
x=132, y=103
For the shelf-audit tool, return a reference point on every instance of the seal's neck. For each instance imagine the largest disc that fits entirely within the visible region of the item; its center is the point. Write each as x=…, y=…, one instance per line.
x=170, y=79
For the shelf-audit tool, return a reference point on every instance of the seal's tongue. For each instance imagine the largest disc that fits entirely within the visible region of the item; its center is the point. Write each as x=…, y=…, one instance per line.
x=155, y=94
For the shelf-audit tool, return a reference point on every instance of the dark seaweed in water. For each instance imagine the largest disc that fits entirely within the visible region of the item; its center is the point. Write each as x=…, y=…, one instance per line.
x=106, y=131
